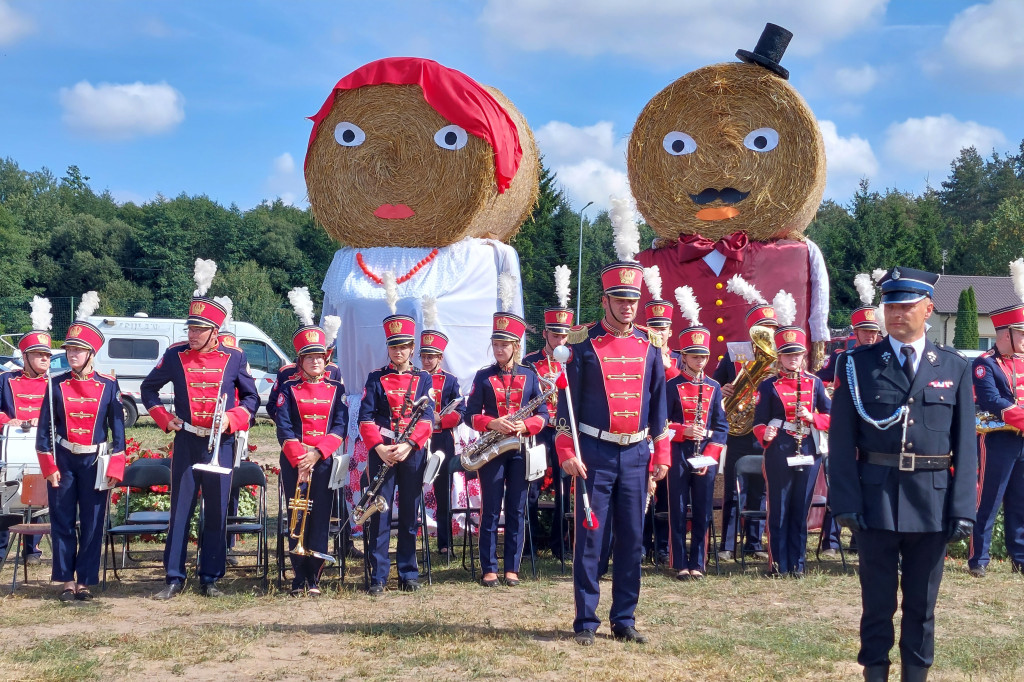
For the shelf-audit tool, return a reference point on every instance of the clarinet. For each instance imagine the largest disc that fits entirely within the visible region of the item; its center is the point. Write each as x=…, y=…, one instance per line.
x=799, y=435
x=698, y=416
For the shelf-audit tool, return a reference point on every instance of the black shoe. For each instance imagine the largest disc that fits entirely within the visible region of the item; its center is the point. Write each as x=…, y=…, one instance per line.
x=210, y=590
x=84, y=595
x=876, y=673
x=796, y=575
x=628, y=634
x=913, y=673
x=409, y=585
x=354, y=552
x=231, y=560
x=67, y=596
x=172, y=590
x=584, y=637
x=489, y=583
x=977, y=571
x=33, y=560
x=375, y=589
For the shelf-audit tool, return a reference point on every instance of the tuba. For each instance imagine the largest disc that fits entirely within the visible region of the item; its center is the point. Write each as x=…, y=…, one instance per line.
x=986, y=422
x=300, y=506
x=739, y=407
x=493, y=444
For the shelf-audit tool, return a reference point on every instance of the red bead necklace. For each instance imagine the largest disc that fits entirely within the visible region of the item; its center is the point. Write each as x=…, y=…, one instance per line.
x=370, y=274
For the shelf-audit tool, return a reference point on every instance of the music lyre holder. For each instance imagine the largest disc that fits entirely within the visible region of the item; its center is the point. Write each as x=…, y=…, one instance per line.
x=213, y=446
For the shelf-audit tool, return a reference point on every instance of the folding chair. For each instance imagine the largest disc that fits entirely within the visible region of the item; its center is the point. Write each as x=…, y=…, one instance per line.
x=33, y=495
x=747, y=467
x=151, y=516
x=138, y=524
x=247, y=474
x=454, y=466
x=822, y=502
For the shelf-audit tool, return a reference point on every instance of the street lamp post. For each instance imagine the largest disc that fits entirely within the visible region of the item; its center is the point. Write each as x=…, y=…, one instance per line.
x=579, y=265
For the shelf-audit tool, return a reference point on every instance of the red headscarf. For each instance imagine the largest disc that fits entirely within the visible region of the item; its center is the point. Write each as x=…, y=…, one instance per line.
x=451, y=93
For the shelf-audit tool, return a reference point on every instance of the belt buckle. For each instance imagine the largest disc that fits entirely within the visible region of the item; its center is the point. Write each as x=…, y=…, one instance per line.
x=625, y=438
x=904, y=458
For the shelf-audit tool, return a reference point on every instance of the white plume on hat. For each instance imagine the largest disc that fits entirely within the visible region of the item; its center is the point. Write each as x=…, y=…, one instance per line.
x=627, y=234
x=430, y=317
x=90, y=302
x=506, y=290
x=880, y=319
x=228, y=305
x=688, y=306
x=563, y=275
x=302, y=304
x=865, y=288
x=42, y=318
x=741, y=287
x=390, y=290
x=652, y=277
x=203, y=275
x=332, y=323
x=877, y=274
x=1017, y=273
x=785, y=308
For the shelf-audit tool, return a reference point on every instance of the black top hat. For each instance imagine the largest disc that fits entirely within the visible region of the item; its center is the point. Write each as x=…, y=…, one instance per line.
x=770, y=47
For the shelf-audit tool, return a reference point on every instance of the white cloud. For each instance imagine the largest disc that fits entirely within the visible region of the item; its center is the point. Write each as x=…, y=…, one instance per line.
x=122, y=111
x=589, y=161
x=985, y=42
x=848, y=160
x=656, y=30
x=932, y=142
x=855, y=81
x=13, y=24
x=284, y=182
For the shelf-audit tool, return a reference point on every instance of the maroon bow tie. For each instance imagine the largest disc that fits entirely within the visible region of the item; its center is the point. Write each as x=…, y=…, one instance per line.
x=693, y=246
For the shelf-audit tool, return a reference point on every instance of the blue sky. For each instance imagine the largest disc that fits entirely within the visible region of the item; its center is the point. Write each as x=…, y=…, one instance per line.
x=211, y=97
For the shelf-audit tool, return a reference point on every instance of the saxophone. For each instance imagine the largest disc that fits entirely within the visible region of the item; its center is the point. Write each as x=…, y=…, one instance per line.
x=739, y=407
x=493, y=444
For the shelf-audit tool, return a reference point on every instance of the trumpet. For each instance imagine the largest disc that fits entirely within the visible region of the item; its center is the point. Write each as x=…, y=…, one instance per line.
x=300, y=506
x=213, y=445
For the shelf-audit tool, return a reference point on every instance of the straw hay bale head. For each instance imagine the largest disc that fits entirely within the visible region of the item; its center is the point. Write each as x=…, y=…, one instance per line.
x=727, y=147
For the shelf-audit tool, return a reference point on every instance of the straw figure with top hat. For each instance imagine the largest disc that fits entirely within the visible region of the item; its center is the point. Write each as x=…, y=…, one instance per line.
x=212, y=387
x=614, y=408
x=80, y=442
x=903, y=470
x=727, y=165
x=312, y=423
x=21, y=397
x=999, y=391
x=791, y=419
x=385, y=413
x=699, y=430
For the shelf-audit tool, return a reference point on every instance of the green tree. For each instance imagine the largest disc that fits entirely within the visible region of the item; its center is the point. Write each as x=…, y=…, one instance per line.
x=966, y=335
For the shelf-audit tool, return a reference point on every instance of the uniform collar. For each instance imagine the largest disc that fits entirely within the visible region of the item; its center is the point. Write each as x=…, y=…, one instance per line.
x=918, y=347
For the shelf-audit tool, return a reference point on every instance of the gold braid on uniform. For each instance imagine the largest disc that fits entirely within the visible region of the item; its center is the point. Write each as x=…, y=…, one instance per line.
x=578, y=334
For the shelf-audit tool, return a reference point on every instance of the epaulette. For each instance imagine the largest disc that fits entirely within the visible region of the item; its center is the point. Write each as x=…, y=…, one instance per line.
x=950, y=349
x=107, y=376
x=580, y=332
x=652, y=338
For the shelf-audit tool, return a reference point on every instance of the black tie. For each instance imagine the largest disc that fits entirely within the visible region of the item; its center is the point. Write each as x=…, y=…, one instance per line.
x=908, y=363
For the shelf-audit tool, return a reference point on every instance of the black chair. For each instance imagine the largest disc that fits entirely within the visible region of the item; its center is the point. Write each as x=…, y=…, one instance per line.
x=151, y=516
x=748, y=467
x=454, y=466
x=251, y=474
x=823, y=502
x=135, y=477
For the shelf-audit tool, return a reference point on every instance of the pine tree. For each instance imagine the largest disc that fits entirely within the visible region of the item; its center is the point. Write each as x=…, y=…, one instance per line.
x=966, y=335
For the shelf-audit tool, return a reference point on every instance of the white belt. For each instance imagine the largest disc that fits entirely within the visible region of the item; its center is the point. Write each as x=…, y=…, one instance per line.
x=200, y=431
x=388, y=433
x=620, y=438
x=77, y=449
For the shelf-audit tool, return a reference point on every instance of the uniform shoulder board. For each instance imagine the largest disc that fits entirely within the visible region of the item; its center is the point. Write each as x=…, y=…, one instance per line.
x=652, y=338
x=579, y=333
x=950, y=349
x=107, y=376
x=855, y=349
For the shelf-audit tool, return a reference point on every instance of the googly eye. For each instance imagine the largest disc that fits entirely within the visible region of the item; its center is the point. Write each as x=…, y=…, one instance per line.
x=451, y=137
x=349, y=134
x=761, y=140
x=679, y=144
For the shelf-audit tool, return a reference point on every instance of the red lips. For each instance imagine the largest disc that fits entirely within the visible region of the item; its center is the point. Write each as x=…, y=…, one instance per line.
x=394, y=211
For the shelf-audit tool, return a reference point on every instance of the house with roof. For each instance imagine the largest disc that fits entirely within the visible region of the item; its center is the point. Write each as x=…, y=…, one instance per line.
x=991, y=293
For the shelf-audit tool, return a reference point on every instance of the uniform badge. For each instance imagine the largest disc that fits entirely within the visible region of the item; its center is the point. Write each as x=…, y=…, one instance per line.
x=895, y=273
x=160, y=362
x=828, y=361
x=280, y=399
x=979, y=371
x=931, y=356
x=886, y=356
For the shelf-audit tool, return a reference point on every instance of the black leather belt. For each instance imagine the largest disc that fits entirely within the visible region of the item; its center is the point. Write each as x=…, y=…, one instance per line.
x=909, y=461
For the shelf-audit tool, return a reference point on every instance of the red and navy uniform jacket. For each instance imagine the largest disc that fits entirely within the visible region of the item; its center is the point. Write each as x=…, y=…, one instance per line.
x=311, y=413
x=777, y=400
x=999, y=388
x=617, y=385
x=20, y=396
x=198, y=378
x=444, y=387
x=288, y=373
x=684, y=393
x=827, y=373
x=85, y=408
x=497, y=394
x=387, y=402
x=546, y=366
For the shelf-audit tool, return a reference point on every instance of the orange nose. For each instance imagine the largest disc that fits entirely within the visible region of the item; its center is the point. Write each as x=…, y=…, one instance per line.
x=719, y=213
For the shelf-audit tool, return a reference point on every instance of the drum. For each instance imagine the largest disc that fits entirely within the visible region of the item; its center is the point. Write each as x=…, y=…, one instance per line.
x=18, y=452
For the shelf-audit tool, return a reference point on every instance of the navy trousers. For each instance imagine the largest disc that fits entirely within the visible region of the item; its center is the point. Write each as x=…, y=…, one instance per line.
x=1001, y=468
x=503, y=482
x=443, y=441
x=687, y=489
x=750, y=498
x=76, y=557
x=186, y=485
x=882, y=552
x=307, y=569
x=616, y=476
x=408, y=476
x=789, y=491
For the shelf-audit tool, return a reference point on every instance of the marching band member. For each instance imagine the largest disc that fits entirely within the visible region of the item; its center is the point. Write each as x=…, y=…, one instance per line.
x=87, y=414
x=698, y=421
x=201, y=370
x=791, y=414
x=499, y=391
x=312, y=421
x=445, y=387
x=617, y=383
x=21, y=396
x=557, y=322
x=999, y=390
x=383, y=415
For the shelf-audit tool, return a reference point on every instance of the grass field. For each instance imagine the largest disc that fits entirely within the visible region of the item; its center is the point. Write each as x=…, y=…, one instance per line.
x=737, y=626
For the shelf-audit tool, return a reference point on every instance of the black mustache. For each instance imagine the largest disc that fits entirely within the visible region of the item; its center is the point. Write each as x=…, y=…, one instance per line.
x=728, y=195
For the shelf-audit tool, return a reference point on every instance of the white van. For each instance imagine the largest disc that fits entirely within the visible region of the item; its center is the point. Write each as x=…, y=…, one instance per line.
x=135, y=344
